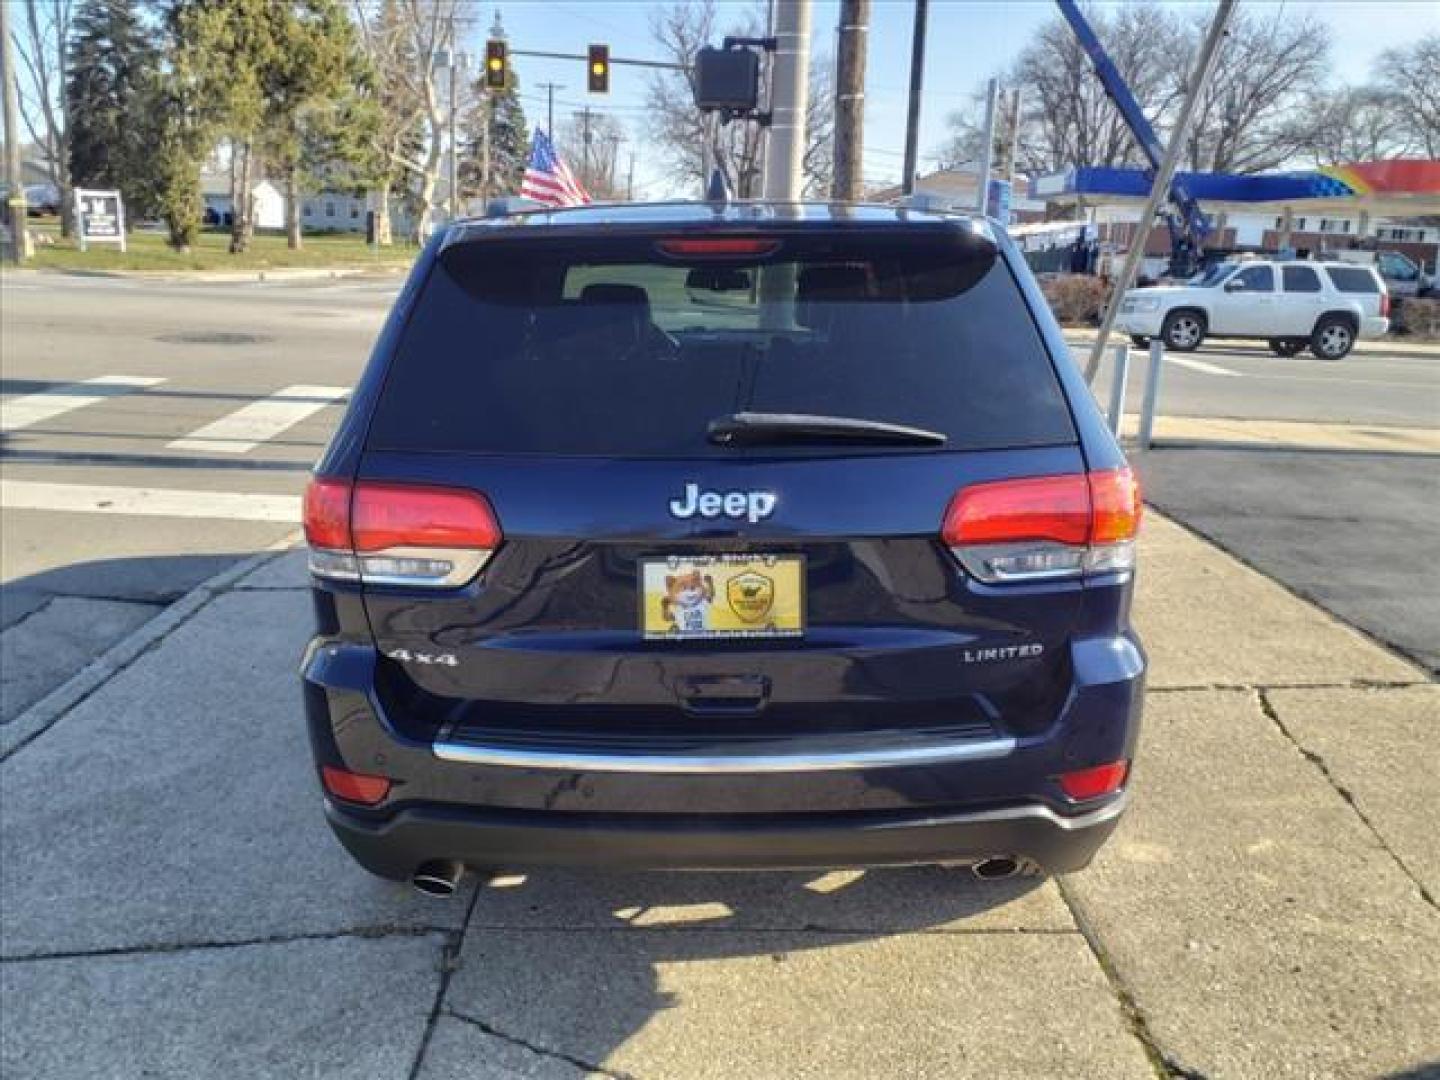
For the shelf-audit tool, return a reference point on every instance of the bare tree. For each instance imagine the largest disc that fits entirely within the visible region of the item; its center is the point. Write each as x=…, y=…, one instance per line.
x=1412, y=75
x=1256, y=113
x=683, y=134
x=591, y=147
x=1360, y=123
x=404, y=40
x=1068, y=118
x=41, y=42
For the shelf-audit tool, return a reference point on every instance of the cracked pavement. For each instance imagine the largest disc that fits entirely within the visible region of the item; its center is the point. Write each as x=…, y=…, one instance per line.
x=171, y=903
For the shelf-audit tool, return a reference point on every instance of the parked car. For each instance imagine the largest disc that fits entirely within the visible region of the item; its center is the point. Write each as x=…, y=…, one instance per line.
x=1325, y=306
x=695, y=536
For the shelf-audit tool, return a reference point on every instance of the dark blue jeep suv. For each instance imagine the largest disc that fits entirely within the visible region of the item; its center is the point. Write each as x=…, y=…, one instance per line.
x=705, y=536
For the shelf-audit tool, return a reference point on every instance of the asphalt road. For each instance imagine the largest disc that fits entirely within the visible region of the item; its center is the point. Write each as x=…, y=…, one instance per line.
x=156, y=432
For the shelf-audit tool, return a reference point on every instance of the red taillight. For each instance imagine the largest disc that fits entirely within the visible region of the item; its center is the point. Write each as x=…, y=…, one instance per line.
x=717, y=246
x=398, y=534
x=1045, y=526
x=398, y=515
x=1115, y=506
x=1039, y=508
x=354, y=787
x=1384, y=305
x=327, y=514
x=1093, y=782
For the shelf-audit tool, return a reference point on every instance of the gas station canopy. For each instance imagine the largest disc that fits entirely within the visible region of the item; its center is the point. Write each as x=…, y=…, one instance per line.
x=1397, y=189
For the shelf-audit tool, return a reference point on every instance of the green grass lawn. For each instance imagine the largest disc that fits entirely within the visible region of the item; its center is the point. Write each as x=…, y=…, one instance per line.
x=149, y=251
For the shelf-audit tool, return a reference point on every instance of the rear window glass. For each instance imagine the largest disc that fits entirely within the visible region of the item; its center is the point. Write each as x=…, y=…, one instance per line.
x=1353, y=279
x=614, y=348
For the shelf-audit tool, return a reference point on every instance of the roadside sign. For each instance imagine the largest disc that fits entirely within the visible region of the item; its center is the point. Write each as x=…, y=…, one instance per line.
x=997, y=201
x=99, y=217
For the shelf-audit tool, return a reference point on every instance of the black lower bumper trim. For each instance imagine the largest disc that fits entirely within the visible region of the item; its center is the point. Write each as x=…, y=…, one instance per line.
x=506, y=841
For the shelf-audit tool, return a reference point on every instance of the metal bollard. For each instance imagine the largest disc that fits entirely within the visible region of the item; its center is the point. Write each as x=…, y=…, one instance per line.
x=1152, y=393
x=1118, y=383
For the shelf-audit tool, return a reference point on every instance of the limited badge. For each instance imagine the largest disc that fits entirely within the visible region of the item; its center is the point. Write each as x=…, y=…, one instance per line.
x=751, y=595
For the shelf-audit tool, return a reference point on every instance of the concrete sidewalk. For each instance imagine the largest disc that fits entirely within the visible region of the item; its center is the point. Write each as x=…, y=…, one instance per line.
x=171, y=903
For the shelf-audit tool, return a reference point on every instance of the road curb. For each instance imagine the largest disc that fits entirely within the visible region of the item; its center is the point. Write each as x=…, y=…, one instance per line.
x=38, y=719
x=219, y=277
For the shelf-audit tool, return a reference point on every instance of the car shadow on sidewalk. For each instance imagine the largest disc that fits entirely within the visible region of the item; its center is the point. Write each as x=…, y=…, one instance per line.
x=578, y=963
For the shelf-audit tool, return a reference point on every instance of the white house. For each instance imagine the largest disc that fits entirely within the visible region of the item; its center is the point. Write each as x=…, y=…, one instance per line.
x=269, y=202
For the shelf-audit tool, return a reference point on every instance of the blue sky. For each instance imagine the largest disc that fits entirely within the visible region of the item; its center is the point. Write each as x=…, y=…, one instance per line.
x=967, y=41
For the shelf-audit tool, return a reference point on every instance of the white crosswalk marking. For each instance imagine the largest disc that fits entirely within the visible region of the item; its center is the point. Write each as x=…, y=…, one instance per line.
x=260, y=421
x=32, y=409
x=149, y=502
x=1200, y=365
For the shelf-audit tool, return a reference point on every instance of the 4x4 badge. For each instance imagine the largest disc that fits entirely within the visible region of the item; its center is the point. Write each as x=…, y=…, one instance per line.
x=752, y=505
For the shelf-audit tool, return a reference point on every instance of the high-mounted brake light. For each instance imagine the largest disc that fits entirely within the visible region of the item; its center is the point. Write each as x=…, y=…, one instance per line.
x=398, y=534
x=717, y=246
x=1045, y=527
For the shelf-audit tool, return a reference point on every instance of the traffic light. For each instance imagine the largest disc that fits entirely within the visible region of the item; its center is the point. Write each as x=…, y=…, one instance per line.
x=598, y=73
x=496, y=69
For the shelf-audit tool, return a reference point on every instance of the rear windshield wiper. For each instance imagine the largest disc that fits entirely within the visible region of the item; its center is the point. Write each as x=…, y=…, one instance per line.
x=753, y=428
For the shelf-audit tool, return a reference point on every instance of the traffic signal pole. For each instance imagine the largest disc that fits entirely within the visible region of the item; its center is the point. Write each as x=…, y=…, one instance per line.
x=789, y=96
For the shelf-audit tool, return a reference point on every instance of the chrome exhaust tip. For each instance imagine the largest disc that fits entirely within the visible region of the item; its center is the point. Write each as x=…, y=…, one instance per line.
x=995, y=868
x=438, y=878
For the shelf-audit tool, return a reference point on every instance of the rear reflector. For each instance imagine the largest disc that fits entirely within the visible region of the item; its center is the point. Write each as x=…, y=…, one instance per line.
x=1045, y=527
x=718, y=246
x=398, y=534
x=354, y=787
x=1094, y=782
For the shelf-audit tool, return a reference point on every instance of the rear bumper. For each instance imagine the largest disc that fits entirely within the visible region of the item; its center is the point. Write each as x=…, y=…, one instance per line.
x=499, y=840
x=1373, y=327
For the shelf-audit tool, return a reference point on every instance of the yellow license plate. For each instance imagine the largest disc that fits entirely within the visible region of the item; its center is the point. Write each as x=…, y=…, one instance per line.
x=714, y=597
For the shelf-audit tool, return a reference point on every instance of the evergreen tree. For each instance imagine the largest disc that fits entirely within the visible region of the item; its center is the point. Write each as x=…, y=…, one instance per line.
x=509, y=136
x=314, y=117
x=112, y=65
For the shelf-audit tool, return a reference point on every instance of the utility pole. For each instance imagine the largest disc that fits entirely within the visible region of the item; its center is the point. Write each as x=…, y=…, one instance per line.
x=550, y=88
x=14, y=189
x=917, y=82
x=486, y=111
x=789, y=94
x=1012, y=142
x=850, y=99
x=585, y=147
x=630, y=180
x=987, y=155
x=1160, y=186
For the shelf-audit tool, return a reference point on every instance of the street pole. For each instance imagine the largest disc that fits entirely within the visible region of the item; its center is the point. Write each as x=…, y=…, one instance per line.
x=1012, y=143
x=850, y=99
x=486, y=105
x=14, y=188
x=784, y=178
x=454, y=150
x=917, y=83
x=585, y=148
x=630, y=180
x=987, y=156
x=1160, y=189
x=550, y=88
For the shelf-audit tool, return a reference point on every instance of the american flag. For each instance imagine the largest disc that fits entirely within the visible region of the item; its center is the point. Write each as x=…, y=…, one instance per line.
x=548, y=179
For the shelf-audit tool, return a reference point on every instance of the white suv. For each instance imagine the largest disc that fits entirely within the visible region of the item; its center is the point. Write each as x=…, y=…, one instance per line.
x=1323, y=305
